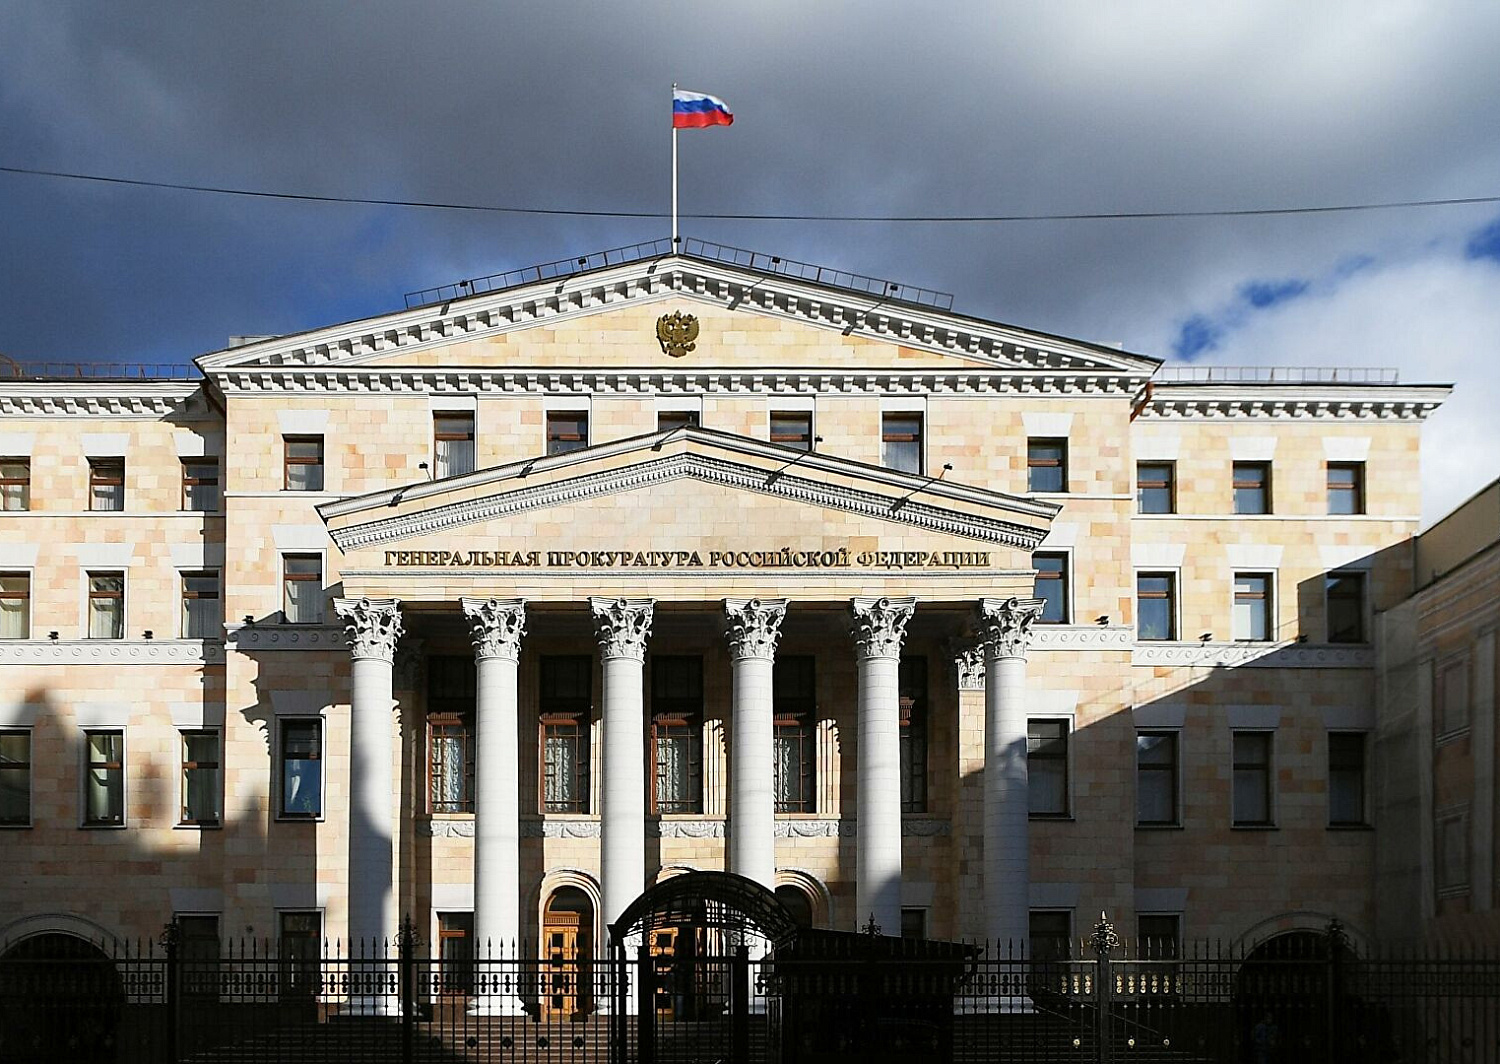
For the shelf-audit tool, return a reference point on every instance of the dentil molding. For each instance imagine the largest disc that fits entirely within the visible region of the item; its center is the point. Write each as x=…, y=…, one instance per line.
x=1255, y=655
x=111, y=652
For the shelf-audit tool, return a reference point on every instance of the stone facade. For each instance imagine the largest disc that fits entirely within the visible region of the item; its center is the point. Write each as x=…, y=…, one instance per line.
x=690, y=518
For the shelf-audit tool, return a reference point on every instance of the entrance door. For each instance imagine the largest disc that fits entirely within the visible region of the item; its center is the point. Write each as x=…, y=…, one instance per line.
x=568, y=954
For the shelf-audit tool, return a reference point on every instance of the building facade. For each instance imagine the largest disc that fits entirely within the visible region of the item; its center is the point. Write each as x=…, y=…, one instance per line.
x=495, y=610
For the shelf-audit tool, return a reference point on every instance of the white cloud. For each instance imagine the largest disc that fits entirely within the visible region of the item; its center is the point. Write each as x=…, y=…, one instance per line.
x=1433, y=315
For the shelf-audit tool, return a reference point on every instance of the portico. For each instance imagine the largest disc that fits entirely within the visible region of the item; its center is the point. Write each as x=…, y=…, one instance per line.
x=693, y=546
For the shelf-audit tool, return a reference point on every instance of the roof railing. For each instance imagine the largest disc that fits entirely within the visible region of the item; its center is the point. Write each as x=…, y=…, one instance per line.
x=879, y=287
x=99, y=371
x=1277, y=375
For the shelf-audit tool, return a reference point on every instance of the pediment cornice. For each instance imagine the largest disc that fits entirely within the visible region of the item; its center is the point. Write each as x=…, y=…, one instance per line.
x=973, y=343
x=706, y=456
x=109, y=399
x=1322, y=401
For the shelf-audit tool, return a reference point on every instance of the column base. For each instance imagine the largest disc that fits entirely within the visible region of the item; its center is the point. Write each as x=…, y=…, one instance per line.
x=500, y=1005
x=372, y=1006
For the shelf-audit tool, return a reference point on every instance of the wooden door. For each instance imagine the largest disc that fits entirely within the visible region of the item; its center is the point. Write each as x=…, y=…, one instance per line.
x=567, y=976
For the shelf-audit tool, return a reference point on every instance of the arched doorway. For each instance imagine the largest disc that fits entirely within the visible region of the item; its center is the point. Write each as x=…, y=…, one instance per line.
x=797, y=904
x=1281, y=994
x=568, y=950
x=60, y=999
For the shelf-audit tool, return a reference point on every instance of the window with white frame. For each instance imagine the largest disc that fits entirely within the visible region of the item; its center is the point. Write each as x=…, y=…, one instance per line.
x=1156, y=606
x=106, y=605
x=15, y=605
x=15, y=777
x=1451, y=695
x=1344, y=594
x=452, y=443
x=1451, y=863
x=200, y=484
x=302, y=588
x=1346, y=779
x=1051, y=586
x=15, y=483
x=901, y=440
x=104, y=777
x=301, y=768
x=1252, y=779
x=1047, y=766
x=106, y=483
x=202, y=615
x=1156, y=774
x=1253, y=610
x=201, y=777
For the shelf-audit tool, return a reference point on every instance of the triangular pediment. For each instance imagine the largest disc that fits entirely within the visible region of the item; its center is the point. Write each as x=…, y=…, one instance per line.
x=687, y=490
x=747, y=320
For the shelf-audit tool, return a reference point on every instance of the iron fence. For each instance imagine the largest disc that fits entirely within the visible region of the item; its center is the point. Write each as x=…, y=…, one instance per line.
x=1312, y=999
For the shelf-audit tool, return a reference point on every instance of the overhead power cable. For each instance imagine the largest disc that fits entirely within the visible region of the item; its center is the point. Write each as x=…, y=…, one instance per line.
x=1079, y=216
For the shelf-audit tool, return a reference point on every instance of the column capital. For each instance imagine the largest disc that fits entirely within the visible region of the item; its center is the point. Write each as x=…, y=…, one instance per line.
x=496, y=626
x=878, y=625
x=622, y=625
x=968, y=664
x=372, y=626
x=754, y=626
x=1005, y=625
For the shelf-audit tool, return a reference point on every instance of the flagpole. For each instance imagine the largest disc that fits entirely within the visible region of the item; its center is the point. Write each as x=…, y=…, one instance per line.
x=674, y=172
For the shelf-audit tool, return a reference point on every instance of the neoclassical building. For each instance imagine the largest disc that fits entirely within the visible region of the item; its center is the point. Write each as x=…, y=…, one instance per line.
x=496, y=609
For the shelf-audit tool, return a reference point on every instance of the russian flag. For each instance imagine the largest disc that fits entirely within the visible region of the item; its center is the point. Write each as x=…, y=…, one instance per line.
x=694, y=110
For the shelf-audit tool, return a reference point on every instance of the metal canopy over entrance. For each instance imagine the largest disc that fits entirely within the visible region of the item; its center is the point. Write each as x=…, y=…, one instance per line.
x=720, y=900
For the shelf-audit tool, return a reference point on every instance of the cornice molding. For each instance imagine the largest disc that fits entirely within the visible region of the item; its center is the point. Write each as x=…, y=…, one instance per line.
x=259, y=637
x=521, y=381
x=111, y=652
x=1365, y=402
x=547, y=302
x=698, y=467
x=1081, y=637
x=1254, y=655
x=816, y=828
x=63, y=398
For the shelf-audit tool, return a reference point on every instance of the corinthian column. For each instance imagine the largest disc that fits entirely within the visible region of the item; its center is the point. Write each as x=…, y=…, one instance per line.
x=879, y=628
x=754, y=626
x=496, y=627
x=373, y=627
x=623, y=626
x=1005, y=632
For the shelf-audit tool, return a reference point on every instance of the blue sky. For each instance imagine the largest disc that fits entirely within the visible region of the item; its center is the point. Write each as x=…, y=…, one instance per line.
x=844, y=107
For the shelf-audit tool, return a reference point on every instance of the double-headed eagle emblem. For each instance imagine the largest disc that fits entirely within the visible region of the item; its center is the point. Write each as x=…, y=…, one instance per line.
x=678, y=333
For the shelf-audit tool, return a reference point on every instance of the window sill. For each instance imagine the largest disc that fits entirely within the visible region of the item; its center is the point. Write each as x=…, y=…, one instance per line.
x=1054, y=817
x=823, y=816
x=578, y=818
x=300, y=819
x=1254, y=827
x=16, y=827
x=216, y=826
x=1351, y=827
x=1160, y=827
x=449, y=816
x=102, y=827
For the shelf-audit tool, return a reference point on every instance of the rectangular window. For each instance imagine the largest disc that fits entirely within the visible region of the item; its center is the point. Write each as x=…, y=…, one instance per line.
x=302, y=588
x=15, y=778
x=1051, y=586
x=1156, y=606
x=1051, y=933
x=456, y=953
x=301, y=769
x=202, y=617
x=1156, y=487
x=452, y=444
x=15, y=605
x=1046, y=465
x=1252, y=487
x=911, y=682
x=913, y=923
x=567, y=430
x=677, y=733
x=1252, y=607
x=675, y=419
x=106, y=483
x=795, y=712
x=1451, y=840
x=106, y=605
x=1047, y=767
x=201, y=777
x=198, y=953
x=1346, y=778
x=200, y=484
x=1452, y=697
x=1345, y=593
x=1159, y=936
x=303, y=463
x=104, y=778
x=15, y=483
x=565, y=711
x=451, y=699
x=792, y=428
x=1156, y=778
x=901, y=441
x=1252, y=779
x=300, y=943
x=1346, y=487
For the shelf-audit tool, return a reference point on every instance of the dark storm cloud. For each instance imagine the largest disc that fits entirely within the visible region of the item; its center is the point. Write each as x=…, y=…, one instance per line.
x=840, y=108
